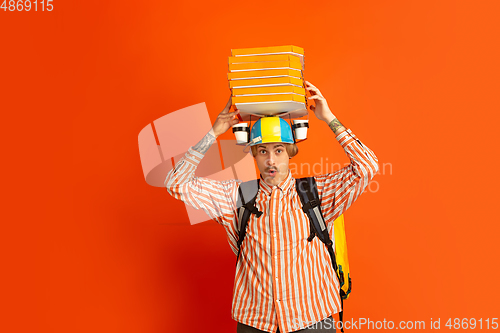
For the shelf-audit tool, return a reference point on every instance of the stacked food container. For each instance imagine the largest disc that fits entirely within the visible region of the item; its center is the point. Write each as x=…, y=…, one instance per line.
x=268, y=81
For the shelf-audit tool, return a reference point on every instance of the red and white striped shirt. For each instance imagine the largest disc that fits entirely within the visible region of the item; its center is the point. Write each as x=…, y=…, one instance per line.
x=281, y=278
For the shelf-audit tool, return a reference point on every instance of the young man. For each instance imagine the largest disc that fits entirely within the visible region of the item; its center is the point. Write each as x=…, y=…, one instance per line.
x=283, y=283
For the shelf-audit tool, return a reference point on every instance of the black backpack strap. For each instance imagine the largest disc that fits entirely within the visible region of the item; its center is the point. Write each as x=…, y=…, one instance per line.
x=247, y=193
x=311, y=205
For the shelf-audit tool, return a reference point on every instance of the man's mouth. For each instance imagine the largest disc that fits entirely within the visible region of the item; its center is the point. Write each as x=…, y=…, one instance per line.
x=272, y=172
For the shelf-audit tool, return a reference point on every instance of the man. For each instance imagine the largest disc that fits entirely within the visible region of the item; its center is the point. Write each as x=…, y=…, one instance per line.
x=283, y=283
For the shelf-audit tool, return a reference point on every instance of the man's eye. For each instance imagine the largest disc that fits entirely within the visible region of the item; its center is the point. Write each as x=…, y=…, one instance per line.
x=279, y=151
x=262, y=151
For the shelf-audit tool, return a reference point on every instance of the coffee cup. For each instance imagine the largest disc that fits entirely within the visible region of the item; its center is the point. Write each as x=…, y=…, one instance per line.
x=300, y=128
x=241, y=131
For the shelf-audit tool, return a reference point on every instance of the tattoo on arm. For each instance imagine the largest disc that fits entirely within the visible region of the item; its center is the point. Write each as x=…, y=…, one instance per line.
x=204, y=143
x=335, y=125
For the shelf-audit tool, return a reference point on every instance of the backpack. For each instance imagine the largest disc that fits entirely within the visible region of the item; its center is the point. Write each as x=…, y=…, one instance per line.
x=308, y=193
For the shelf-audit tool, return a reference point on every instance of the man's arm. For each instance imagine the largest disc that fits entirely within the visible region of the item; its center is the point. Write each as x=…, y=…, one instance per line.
x=340, y=189
x=336, y=126
x=205, y=143
x=216, y=198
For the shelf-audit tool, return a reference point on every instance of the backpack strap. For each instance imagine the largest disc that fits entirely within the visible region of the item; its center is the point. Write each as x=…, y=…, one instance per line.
x=247, y=193
x=309, y=197
x=311, y=205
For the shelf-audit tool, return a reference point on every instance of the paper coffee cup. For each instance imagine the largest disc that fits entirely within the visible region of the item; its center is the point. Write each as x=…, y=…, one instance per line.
x=300, y=132
x=240, y=131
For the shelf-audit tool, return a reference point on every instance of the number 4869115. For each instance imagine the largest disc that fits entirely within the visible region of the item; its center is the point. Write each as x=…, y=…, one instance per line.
x=27, y=5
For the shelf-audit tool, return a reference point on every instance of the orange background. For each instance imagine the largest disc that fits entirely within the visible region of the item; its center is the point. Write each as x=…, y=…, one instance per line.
x=90, y=247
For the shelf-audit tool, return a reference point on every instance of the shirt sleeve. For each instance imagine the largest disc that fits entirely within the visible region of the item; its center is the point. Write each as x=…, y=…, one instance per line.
x=216, y=198
x=338, y=190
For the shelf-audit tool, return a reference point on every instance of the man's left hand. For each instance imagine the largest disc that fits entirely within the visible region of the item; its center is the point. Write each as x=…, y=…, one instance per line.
x=321, y=109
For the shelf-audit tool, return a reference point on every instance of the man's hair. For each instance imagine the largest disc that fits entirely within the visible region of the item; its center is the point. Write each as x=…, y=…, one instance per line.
x=291, y=149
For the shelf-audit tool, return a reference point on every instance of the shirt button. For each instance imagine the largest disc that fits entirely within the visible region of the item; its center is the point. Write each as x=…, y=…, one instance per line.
x=277, y=300
x=275, y=257
x=274, y=235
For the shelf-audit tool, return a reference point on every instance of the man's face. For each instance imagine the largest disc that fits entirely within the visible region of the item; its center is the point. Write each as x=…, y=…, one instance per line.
x=272, y=161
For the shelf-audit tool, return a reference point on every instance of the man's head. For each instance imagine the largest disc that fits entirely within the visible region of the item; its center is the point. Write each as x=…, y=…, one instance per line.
x=273, y=160
x=272, y=146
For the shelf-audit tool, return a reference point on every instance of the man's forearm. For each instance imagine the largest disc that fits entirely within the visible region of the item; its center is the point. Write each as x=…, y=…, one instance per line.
x=335, y=125
x=205, y=143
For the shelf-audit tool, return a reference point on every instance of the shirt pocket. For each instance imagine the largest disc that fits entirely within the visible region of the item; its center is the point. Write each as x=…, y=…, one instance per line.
x=296, y=227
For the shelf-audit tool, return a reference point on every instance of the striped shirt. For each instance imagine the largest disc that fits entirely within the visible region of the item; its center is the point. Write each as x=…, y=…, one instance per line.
x=281, y=278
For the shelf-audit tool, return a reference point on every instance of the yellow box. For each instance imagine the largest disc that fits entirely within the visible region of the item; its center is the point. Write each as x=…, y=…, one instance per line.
x=269, y=90
x=268, y=98
x=267, y=82
x=259, y=58
x=267, y=50
x=265, y=65
x=264, y=73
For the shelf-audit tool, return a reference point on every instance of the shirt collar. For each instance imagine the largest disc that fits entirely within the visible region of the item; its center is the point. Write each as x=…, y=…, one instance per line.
x=284, y=185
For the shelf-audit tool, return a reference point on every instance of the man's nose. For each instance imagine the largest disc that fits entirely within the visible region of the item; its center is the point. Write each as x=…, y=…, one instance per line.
x=271, y=160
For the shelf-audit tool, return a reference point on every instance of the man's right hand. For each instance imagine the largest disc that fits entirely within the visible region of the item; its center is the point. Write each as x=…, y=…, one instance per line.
x=225, y=119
